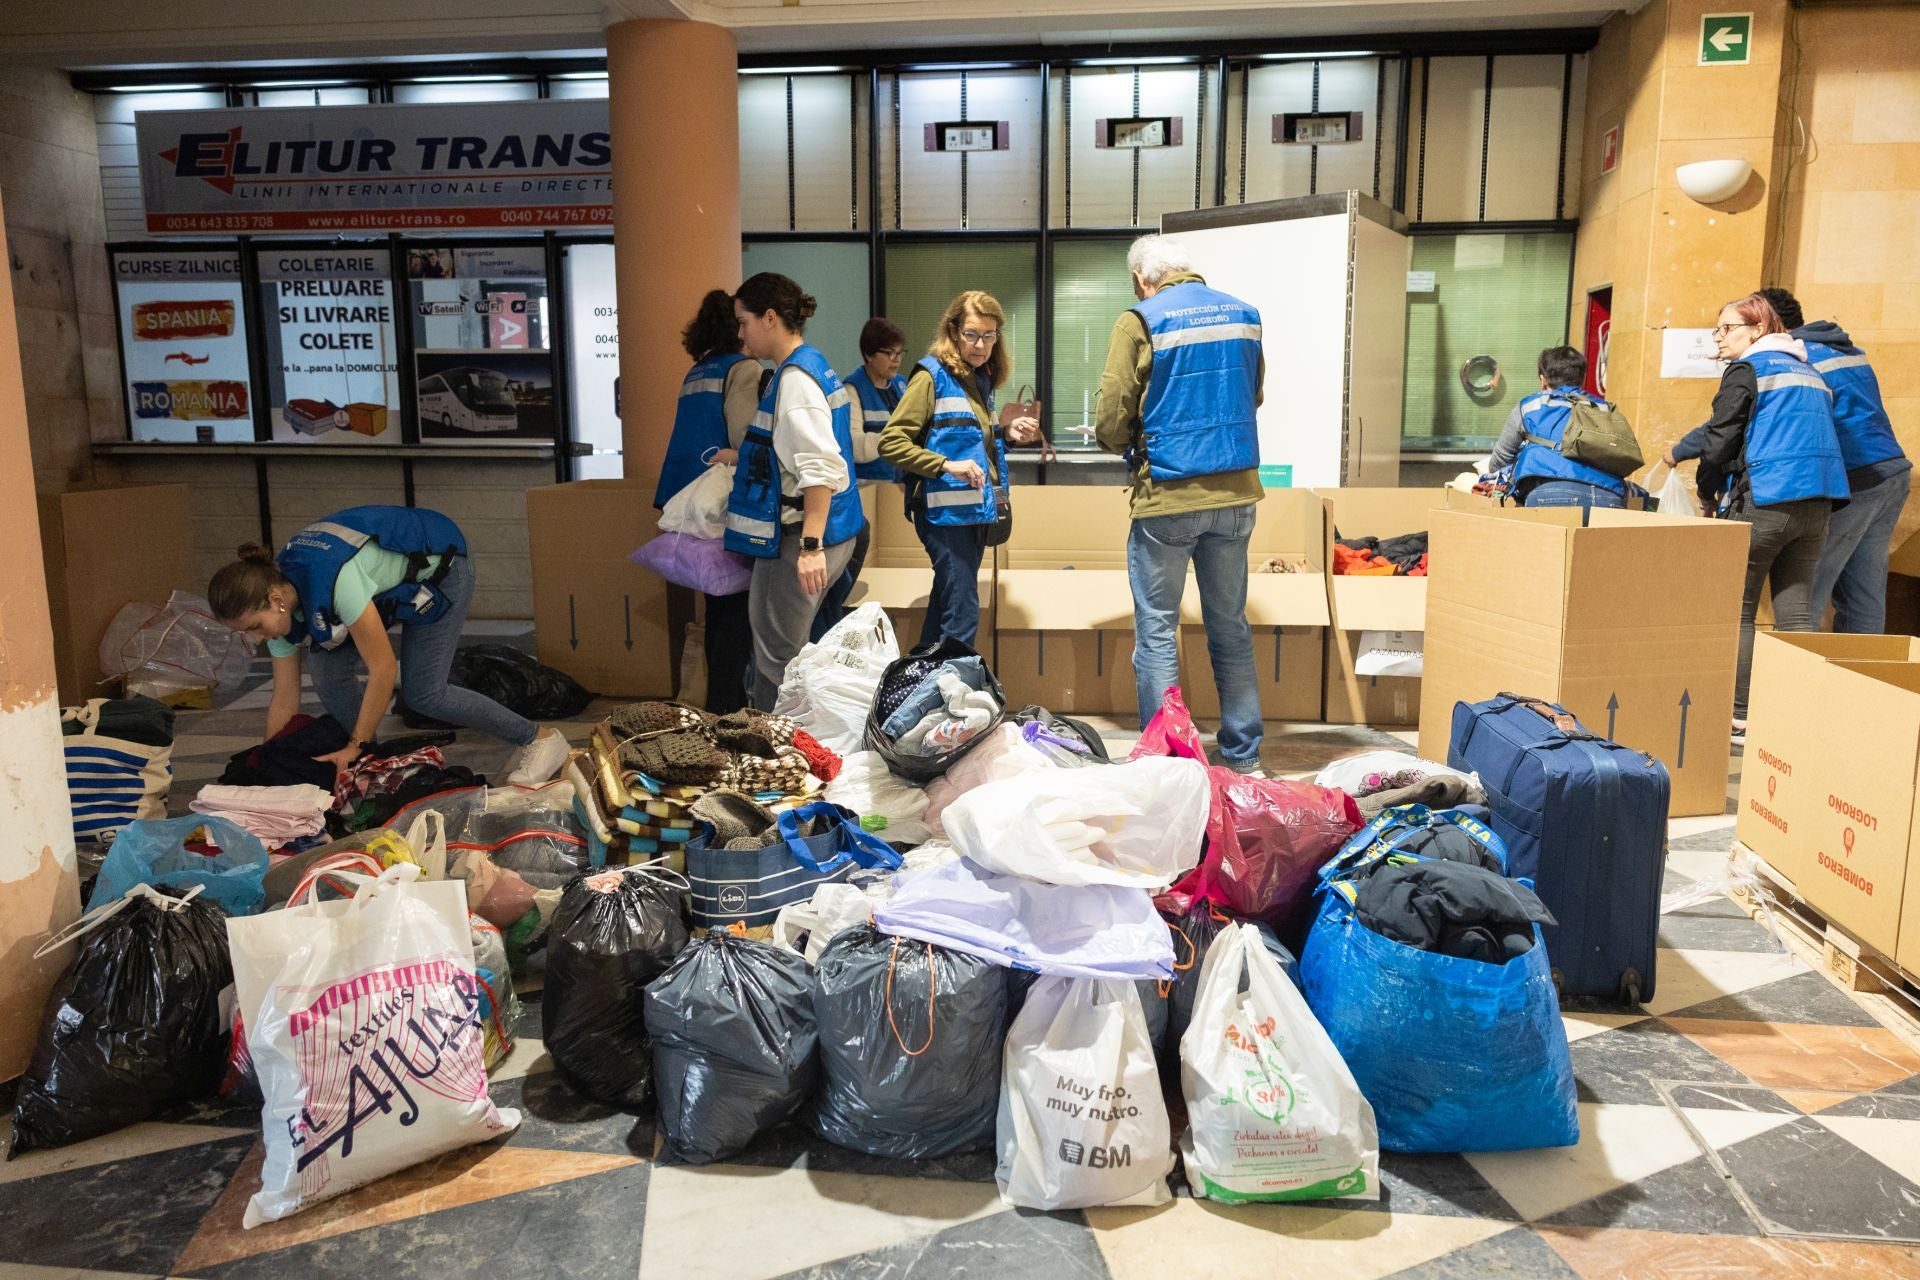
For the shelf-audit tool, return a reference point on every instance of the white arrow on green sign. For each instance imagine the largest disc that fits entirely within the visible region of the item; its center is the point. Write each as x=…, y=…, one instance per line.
x=1726, y=39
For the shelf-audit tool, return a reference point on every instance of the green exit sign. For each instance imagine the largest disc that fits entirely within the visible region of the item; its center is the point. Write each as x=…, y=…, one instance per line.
x=1726, y=39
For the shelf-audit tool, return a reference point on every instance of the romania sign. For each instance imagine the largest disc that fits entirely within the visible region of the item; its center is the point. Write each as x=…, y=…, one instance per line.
x=458, y=167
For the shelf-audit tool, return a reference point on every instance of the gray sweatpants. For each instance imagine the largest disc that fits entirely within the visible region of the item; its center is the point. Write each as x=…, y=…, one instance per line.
x=781, y=614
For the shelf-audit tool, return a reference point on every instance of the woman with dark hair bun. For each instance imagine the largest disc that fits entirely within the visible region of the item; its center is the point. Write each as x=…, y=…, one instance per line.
x=794, y=506
x=717, y=401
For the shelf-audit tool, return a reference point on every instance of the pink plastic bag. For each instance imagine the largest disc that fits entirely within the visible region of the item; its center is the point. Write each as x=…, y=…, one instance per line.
x=1171, y=731
x=1266, y=837
x=704, y=564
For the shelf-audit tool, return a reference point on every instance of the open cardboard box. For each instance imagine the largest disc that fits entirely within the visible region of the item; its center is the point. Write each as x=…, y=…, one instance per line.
x=1631, y=622
x=899, y=576
x=1827, y=786
x=1063, y=611
x=1287, y=611
x=1359, y=605
x=598, y=616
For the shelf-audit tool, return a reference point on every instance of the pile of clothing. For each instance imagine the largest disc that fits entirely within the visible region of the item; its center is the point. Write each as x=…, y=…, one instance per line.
x=947, y=705
x=290, y=819
x=389, y=777
x=1404, y=556
x=1379, y=780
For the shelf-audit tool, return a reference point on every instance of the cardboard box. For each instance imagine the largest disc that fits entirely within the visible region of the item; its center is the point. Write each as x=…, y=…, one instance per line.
x=1376, y=604
x=1063, y=611
x=596, y=615
x=1827, y=786
x=1632, y=623
x=1288, y=613
x=366, y=419
x=91, y=573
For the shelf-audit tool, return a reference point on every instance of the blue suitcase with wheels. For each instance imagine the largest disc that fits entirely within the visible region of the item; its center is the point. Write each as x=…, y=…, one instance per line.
x=1586, y=820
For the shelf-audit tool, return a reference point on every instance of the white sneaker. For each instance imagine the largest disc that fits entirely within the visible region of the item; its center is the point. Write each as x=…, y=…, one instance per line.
x=539, y=760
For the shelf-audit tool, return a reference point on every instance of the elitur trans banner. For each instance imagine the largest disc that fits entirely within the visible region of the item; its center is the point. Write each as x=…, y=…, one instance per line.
x=454, y=167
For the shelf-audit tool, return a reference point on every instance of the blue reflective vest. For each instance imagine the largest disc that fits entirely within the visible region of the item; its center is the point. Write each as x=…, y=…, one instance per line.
x=1197, y=418
x=754, y=526
x=1545, y=414
x=1859, y=414
x=1792, y=450
x=954, y=432
x=313, y=558
x=699, y=424
x=876, y=405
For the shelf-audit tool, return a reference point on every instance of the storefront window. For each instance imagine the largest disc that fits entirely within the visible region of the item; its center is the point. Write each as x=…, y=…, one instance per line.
x=1091, y=287
x=332, y=371
x=482, y=368
x=593, y=362
x=835, y=273
x=922, y=278
x=183, y=345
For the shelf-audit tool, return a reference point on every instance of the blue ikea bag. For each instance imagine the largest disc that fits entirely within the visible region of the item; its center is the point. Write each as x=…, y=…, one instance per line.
x=154, y=851
x=1453, y=1054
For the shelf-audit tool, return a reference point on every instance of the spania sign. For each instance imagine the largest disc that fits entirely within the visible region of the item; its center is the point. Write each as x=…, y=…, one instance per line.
x=453, y=167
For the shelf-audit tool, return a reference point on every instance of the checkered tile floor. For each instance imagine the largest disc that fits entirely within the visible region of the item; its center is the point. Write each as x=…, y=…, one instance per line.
x=1753, y=1120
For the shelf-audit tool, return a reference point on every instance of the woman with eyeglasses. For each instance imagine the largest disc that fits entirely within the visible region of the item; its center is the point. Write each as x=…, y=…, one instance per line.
x=945, y=437
x=876, y=387
x=1769, y=456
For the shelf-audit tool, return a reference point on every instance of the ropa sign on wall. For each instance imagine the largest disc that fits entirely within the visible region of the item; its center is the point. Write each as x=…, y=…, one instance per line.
x=378, y=168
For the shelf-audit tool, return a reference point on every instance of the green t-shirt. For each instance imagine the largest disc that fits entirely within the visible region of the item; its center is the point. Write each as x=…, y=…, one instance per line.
x=372, y=570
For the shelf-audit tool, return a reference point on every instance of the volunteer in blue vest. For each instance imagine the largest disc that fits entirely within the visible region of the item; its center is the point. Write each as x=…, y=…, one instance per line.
x=794, y=507
x=1177, y=399
x=1769, y=456
x=332, y=592
x=876, y=387
x=1530, y=442
x=945, y=437
x=1852, y=571
x=717, y=402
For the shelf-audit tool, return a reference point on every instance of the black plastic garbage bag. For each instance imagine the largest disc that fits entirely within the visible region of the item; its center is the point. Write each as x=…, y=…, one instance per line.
x=1193, y=934
x=515, y=680
x=734, y=1049
x=910, y=1040
x=611, y=935
x=900, y=678
x=133, y=1026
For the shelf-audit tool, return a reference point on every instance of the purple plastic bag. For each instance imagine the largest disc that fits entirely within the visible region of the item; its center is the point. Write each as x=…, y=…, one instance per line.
x=704, y=564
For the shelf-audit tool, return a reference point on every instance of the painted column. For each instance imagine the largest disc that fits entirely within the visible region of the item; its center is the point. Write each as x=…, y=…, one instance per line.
x=674, y=99
x=39, y=890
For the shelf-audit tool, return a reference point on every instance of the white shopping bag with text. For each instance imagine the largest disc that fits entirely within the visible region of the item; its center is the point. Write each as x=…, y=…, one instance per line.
x=700, y=509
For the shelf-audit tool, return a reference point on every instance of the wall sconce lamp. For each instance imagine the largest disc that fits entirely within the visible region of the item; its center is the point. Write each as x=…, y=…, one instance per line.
x=1712, y=181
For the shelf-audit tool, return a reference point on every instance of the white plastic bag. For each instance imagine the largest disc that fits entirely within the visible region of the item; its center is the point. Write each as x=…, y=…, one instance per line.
x=1005, y=754
x=1140, y=823
x=364, y=1021
x=866, y=786
x=829, y=685
x=700, y=509
x=1081, y=1121
x=1675, y=498
x=1273, y=1112
x=832, y=907
x=180, y=645
x=1350, y=774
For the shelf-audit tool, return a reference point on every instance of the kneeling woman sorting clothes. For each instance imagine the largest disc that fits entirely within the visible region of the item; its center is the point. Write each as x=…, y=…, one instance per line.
x=334, y=589
x=794, y=507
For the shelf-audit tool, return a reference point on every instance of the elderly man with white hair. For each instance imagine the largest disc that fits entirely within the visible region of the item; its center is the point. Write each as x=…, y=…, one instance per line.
x=1177, y=400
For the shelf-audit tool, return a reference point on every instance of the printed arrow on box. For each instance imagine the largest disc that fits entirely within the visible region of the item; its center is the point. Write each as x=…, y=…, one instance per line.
x=573, y=628
x=1686, y=700
x=629, y=600
x=1613, y=710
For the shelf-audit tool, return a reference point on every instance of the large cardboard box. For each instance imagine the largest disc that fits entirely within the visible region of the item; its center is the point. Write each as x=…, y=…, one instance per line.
x=93, y=569
x=1632, y=623
x=596, y=615
x=899, y=576
x=1361, y=605
x=1288, y=613
x=1827, y=787
x=1063, y=612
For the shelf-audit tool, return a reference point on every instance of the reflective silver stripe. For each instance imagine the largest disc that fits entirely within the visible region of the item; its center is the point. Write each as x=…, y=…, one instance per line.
x=763, y=420
x=750, y=527
x=1842, y=362
x=839, y=399
x=876, y=415
x=352, y=537
x=702, y=385
x=1207, y=333
x=956, y=498
x=1779, y=381
x=953, y=404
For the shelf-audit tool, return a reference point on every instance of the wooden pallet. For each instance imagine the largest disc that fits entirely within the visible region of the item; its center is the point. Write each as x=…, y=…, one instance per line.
x=1875, y=981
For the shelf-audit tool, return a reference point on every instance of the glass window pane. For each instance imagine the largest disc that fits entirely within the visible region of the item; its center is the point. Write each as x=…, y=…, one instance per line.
x=810, y=175
x=183, y=344
x=975, y=190
x=467, y=91
x=586, y=86
x=482, y=369
x=1503, y=296
x=923, y=278
x=593, y=333
x=1124, y=186
x=1269, y=170
x=835, y=273
x=1091, y=288
x=332, y=371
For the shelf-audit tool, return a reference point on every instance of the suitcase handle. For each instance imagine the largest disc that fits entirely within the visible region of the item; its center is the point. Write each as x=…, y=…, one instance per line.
x=1558, y=718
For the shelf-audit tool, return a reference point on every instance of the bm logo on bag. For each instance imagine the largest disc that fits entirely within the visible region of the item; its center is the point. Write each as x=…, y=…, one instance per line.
x=1098, y=1157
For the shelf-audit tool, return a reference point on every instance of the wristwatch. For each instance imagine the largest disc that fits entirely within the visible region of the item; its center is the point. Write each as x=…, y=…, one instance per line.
x=809, y=544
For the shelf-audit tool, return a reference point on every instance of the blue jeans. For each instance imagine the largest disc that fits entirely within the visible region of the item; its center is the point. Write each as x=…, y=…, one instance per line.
x=1571, y=493
x=1852, y=571
x=953, y=606
x=1158, y=551
x=426, y=656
